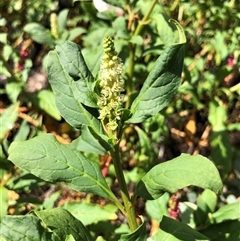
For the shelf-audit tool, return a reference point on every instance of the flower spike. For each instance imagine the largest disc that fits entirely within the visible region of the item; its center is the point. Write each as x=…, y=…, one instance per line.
x=112, y=85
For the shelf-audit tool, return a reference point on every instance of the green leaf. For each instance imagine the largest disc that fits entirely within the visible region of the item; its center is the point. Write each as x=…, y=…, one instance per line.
x=50, y=202
x=25, y=182
x=47, y=103
x=180, y=172
x=140, y=234
x=206, y=204
x=39, y=33
x=73, y=111
x=227, y=212
x=233, y=127
x=207, y=201
x=221, y=149
x=147, y=154
x=159, y=207
x=27, y=228
x=161, y=84
x=13, y=90
x=221, y=152
x=225, y=231
x=62, y=20
x=46, y=158
x=166, y=31
x=73, y=33
x=172, y=230
x=89, y=213
x=93, y=58
x=7, y=53
x=90, y=142
x=72, y=61
x=137, y=40
x=45, y=100
x=62, y=223
x=217, y=116
x=7, y=119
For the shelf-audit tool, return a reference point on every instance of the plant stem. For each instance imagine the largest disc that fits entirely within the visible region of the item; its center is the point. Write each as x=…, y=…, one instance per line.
x=145, y=19
x=130, y=213
x=132, y=49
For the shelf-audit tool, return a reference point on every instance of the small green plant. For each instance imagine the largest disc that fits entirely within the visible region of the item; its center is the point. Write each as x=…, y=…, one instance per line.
x=58, y=32
x=96, y=107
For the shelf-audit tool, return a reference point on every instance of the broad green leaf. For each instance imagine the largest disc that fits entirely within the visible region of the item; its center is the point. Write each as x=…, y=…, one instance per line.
x=39, y=33
x=140, y=234
x=161, y=84
x=89, y=213
x=187, y=209
x=217, y=116
x=221, y=152
x=62, y=223
x=50, y=202
x=7, y=119
x=72, y=61
x=25, y=182
x=166, y=31
x=74, y=112
x=62, y=20
x=47, y=103
x=208, y=198
x=172, y=230
x=46, y=158
x=225, y=231
x=45, y=100
x=137, y=40
x=93, y=58
x=159, y=207
x=90, y=142
x=206, y=203
x=64, y=37
x=73, y=33
x=180, y=172
x=227, y=212
x=23, y=131
x=27, y=228
x=147, y=155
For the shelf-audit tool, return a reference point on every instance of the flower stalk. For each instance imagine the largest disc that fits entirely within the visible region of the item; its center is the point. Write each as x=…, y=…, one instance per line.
x=110, y=110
